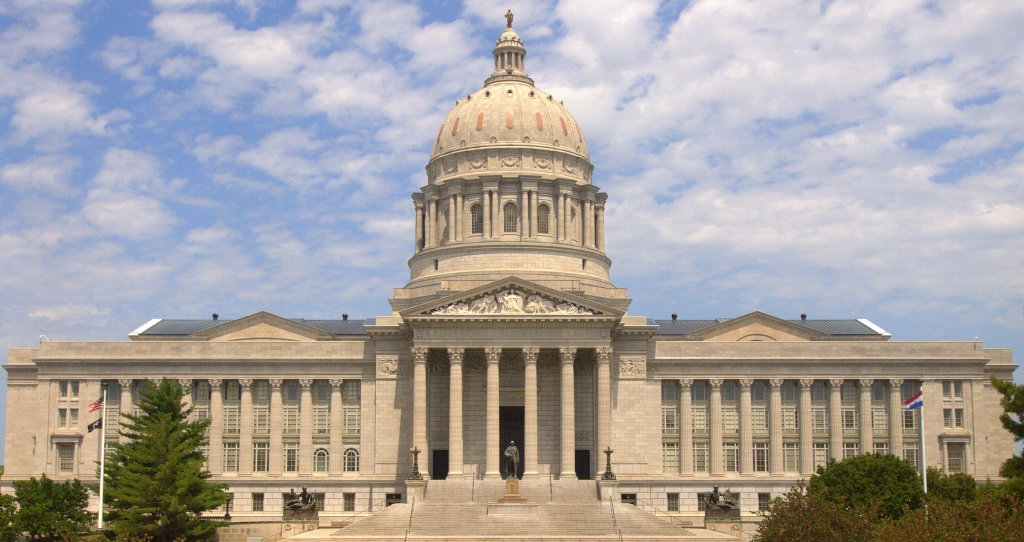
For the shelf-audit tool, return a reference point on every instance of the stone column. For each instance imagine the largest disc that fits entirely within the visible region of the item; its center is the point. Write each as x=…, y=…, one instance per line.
x=461, y=209
x=716, y=426
x=568, y=431
x=126, y=396
x=533, y=213
x=337, y=419
x=746, y=430
x=455, y=456
x=895, y=418
x=419, y=227
x=276, y=428
x=419, y=403
x=685, y=427
x=455, y=228
x=186, y=388
x=216, y=458
x=604, y=401
x=527, y=231
x=835, y=418
x=775, y=427
x=566, y=234
x=245, y=429
x=431, y=223
x=866, y=430
x=496, y=225
x=599, y=229
x=306, y=427
x=559, y=218
x=487, y=214
x=806, y=428
x=493, y=460
x=530, y=412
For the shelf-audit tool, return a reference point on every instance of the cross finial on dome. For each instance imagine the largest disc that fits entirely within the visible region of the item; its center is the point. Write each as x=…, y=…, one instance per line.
x=508, y=17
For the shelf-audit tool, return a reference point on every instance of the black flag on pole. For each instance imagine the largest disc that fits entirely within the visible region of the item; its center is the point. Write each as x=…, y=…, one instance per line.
x=98, y=424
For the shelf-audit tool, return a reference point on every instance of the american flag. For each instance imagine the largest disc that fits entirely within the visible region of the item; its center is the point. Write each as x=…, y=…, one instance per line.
x=95, y=406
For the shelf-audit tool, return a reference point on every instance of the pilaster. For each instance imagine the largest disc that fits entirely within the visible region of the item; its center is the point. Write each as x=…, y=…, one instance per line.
x=568, y=431
x=775, y=426
x=835, y=418
x=530, y=412
x=337, y=457
x=746, y=430
x=216, y=458
x=866, y=429
x=456, y=459
x=685, y=427
x=716, y=427
x=306, y=427
x=245, y=429
x=276, y=428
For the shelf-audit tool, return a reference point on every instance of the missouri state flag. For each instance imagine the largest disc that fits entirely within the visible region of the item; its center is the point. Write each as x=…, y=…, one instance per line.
x=916, y=401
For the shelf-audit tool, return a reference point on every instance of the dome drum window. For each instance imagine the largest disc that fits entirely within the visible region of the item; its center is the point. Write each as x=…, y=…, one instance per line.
x=543, y=214
x=477, y=219
x=510, y=218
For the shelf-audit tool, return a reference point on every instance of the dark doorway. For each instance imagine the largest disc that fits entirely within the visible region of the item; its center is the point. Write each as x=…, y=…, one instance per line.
x=513, y=420
x=583, y=464
x=439, y=470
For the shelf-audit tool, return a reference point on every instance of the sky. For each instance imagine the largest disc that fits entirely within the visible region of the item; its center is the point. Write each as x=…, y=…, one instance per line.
x=841, y=159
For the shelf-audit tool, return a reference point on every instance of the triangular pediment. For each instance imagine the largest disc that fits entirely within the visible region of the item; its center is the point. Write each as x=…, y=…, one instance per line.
x=757, y=326
x=262, y=326
x=512, y=297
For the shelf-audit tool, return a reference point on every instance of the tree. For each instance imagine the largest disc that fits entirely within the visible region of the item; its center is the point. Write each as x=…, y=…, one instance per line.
x=48, y=510
x=1013, y=407
x=989, y=517
x=8, y=519
x=958, y=487
x=156, y=480
x=807, y=515
x=871, y=480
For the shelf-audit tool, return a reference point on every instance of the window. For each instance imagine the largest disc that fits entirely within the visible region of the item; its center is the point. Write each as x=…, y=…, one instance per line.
x=699, y=391
x=909, y=389
x=789, y=391
x=63, y=389
x=760, y=419
x=351, y=425
x=958, y=389
x=511, y=222
x=819, y=420
x=321, y=420
x=232, y=391
x=731, y=456
x=291, y=457
x=764, y=502
x=669, y=392
x=321, y=460
x=729, y=391
x=290, y=415
x=543, y=212
x=849, y=392
x=673, y=502
x=260, y=456
x=261, y=420
x=290, y=392
x=350, y=393
x=757, y=391
x=700, y=419
x=879, y=419
x=261, y=393
x=761, y=456
x=790, y=456
x=629, y=498
x=820, y=454
x=849, y=418
x=818, y=392
x=909, y=419
x=878, y=391
x=351, y=460
x=789, y=419
x=670, y=457
x=955, y=457
x=62, y=417
x=73, y=417
x=350, y=502
x=947, y=417
x=947, y=389
x=476, y=218
x=881, y=448
x=850, y=449
x=319, y=498
x=66, y=457
x=201, y=393
x=700, y=456
x=257, y=502
x=392, y=498
x=730, y=420
x=669, y=421
x=702, y=504
x=230, y=462
x=231, y=420
x=958, y=417
x=911, y=453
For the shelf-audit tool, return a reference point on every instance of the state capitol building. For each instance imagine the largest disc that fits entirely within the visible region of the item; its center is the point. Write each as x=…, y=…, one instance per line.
x=510, y=328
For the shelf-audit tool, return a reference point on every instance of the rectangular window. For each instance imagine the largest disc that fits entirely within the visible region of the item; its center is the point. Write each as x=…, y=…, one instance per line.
x=909, y=419
x=669, y=420
x=760, y=419
x=819, y=393
x=230, y=457
x=848, y=392
x=879, y=419
x=261, y=393
x=789, y=419
x=669, y=392
x=700, y=419
x=757, y=391
x=257, y=502
x=955, y=456
x=260, y=456
x=764, y=502
x=350, y=502
x=789, y=391
x=909, y=389
x=958, y=417
x=702, y=504
x=670, y=457
x=878, y=391
x=351, y=425
x=699, y=391
x=291, y=458
x=261, y=420
x=881, y=447
x=66, y=457
x=761, y=456
x=729, y=391
x=321, y=420
x=700, y=456
x=319, y=498
x=350, y=392
x=629, y=498
x=730, y=420
x=947, y=417
x=947, y=389
x=819, y=420
x=673, y=502
x=958, y=389
x=850, y=449
x=231, y=420
x=911, y=453
x=731, y=456
x=202, y=393
x=291, y=420
x=74, y=389
x=63, y=388
x=232, y=391
x=790, y=456
x=62, y=417
x=820, y=454
x=73, y=417
x=849, y=418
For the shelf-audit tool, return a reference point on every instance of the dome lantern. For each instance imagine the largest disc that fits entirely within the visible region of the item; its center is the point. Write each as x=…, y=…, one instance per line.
x=509, y=57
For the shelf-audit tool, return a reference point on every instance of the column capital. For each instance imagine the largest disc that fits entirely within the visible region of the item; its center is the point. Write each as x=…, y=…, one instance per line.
x=455, y=355
x=185, y=383
x=746, y=383
x=276, y=382
x=530, y=355
x=306, y=383
x=215, y=382
x=776, y=382
x=604, y=354
x=716, y=383
x=125, y=382
x=806, y=382
x=419, y=354
x=567, y=354
x=245, y=383
x=835, y=382
x=685, y=383
x=336, y=382
x=493, y=355
x=866, y=382
x=896, y=382
x=154, y=380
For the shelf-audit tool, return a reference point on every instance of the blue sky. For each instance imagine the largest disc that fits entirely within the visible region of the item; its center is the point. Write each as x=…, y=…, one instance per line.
x=844, y=159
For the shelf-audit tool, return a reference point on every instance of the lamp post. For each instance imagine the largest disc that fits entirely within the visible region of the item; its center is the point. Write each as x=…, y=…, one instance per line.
x=415, y=474
x=608, y=474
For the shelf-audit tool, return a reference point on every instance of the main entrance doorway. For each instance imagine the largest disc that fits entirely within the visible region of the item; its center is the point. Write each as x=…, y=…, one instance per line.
x=439, y=466
x=512, y=420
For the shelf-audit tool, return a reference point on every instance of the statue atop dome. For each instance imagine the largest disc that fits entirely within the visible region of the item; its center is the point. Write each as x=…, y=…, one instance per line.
x=508, y=17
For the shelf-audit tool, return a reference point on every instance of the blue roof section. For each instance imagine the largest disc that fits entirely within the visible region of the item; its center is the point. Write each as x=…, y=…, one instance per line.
x=188, y=327
x=831, y=327
x=681, y=327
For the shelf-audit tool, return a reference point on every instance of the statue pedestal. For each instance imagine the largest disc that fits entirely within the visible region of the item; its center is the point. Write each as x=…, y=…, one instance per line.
x=609, y=490
x=512, y=492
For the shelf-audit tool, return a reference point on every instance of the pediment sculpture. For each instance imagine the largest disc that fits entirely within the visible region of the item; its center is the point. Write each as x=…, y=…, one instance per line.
x=512, y=301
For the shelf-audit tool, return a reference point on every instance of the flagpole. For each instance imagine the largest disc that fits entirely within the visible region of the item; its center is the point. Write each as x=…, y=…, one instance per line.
x=924, y=463
x=103, y=452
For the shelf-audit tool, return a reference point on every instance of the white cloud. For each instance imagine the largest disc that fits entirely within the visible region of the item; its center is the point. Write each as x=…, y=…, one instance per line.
x=49, y=174
x=74, y=311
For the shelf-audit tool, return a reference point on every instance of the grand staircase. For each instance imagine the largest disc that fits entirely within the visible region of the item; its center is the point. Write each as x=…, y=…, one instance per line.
x=562, y=511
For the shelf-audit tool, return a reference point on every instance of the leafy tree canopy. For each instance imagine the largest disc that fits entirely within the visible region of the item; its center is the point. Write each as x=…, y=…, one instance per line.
x=48, y=510
x=958, y=487
x=872, y=480
x=8, y=519
x=156, y=479
x=1012, y=419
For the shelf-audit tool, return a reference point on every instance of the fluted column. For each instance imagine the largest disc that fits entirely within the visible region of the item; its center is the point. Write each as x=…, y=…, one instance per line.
x=560, y=217
x=568, y=430
x=566, y=234
x=245, y=429
x=455, y=455
x=276, y=428
x=599, y=229
x=866, y=431
x=775, y=426
x=419, y=401
x=746, y=430
x=895, y=418
x=216, y=458
x=455, y=227
x=337, y=423
x=126, y=396
x=431, y=223
x=419, y=227
x=716, y=426
x=806, y=429
x=685, y=427
x=604, y=401
x=493, y=415
x=530, y=412
x=306, y=428
x=835, y=418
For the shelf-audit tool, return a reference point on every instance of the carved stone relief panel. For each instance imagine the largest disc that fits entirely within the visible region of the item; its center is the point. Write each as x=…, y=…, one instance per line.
x=632, y=367
x=387, y=366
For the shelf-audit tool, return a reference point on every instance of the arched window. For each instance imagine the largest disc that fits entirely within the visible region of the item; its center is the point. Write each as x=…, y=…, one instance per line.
x=351, y=460
x=476, y=213
x=542, y=218
x=510, y=217
x=321, y=460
